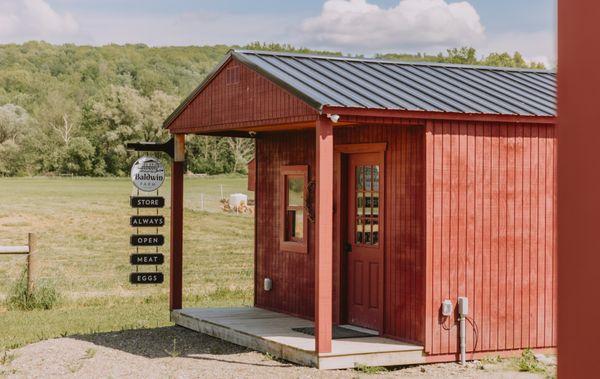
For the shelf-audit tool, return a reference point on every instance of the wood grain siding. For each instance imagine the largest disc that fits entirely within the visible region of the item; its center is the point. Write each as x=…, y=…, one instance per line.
x=490, y=233
x=238, y=97
x=292, y=274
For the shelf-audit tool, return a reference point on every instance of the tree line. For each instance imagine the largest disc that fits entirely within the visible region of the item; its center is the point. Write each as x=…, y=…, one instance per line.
x=67, y=109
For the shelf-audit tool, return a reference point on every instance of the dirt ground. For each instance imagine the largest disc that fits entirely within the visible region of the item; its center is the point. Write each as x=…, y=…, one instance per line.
x=174, y=352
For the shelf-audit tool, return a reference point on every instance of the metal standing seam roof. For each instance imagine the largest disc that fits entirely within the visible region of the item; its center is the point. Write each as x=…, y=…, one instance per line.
x=383, y=84
x=394, y=85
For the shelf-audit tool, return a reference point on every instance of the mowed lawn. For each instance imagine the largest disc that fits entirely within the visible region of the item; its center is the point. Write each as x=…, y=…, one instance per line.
x=83, y=242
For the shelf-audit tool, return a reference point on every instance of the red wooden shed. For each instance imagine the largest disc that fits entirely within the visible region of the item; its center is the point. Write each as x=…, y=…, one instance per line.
x=385, y=190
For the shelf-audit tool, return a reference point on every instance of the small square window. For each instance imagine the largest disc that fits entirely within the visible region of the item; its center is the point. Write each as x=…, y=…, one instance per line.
x=293, y=221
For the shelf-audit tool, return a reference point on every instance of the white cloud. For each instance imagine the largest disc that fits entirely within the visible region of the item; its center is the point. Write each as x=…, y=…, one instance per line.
x=22, y=20
x=359, y=25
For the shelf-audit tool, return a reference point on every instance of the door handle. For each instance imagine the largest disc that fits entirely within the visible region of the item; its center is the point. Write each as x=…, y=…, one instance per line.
x=347, y=248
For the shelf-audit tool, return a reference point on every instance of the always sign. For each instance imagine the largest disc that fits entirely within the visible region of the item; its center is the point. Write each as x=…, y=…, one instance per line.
x=146, y=221
x=147, y=174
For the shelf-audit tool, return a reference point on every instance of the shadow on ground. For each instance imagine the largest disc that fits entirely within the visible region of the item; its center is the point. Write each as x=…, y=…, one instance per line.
x=168, y=342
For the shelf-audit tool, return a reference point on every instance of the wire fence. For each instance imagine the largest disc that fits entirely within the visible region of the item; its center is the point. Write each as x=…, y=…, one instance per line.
x=218, y=199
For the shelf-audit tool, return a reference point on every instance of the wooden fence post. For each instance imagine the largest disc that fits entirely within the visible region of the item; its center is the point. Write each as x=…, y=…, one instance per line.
x=31, y=262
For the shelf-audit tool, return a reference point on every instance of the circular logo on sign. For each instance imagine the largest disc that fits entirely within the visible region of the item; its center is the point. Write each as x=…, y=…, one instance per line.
x=147, y=174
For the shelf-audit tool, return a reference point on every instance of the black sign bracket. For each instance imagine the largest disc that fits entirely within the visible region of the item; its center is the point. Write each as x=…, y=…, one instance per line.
x=166, y=147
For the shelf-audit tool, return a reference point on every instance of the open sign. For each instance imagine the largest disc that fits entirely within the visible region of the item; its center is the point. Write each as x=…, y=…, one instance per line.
x=147, y=240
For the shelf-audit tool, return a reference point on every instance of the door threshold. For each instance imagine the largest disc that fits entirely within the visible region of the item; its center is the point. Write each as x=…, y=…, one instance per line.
x=361, y=329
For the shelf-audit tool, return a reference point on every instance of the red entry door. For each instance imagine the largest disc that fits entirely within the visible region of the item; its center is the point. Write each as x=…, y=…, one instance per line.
x=364, y=240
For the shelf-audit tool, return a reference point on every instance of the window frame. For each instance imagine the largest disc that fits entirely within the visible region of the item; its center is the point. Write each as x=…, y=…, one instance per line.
x=293, y=246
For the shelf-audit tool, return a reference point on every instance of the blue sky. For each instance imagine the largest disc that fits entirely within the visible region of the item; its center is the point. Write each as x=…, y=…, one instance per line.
x=354, y=26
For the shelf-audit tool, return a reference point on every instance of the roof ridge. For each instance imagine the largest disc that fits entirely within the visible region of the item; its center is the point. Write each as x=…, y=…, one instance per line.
x=391, y=61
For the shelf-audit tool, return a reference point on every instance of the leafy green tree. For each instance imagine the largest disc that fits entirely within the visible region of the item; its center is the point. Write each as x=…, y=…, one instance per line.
x=68, y=109
x=79, y=157
x=14, y=121
x=125, y=115
x=209, y=155
x=11, y=159
x=464, y=55
x=468, y=55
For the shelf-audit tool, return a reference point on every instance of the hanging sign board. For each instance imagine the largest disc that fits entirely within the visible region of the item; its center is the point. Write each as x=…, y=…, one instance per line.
x=147, y=259
x=147, y=174
x=147, y=240
x=146, y=221
x=147, y=201
x=146, y=277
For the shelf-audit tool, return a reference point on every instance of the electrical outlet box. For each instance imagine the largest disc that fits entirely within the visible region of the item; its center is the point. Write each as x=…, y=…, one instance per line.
x=446, y=308
x=463, y=306
x=268, y=284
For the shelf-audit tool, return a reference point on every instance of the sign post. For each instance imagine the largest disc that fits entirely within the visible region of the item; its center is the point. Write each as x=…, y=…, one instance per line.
x=147, y=175
x=175, y=148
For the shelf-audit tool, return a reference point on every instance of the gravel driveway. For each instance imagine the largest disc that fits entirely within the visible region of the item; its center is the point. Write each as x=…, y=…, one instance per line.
x=174, y=352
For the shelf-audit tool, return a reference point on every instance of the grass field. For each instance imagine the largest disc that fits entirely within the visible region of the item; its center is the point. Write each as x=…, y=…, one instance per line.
x=83, y=242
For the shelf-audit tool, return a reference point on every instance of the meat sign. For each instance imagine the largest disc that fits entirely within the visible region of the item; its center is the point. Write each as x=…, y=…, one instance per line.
x=147, y=175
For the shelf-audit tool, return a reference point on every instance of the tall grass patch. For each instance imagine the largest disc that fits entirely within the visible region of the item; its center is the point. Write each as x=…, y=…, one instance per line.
x=43, y=295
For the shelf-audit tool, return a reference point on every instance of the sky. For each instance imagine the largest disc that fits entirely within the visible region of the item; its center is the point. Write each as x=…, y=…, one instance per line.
x=351, y=26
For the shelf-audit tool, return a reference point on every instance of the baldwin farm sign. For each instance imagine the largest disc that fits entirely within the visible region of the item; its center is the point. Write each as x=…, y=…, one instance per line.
x=147, y=175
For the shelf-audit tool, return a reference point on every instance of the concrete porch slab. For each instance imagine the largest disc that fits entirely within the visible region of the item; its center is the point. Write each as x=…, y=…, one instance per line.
x=272, y=333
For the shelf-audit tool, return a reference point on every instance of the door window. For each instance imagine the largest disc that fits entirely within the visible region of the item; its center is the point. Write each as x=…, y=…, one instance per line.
x=367, y=205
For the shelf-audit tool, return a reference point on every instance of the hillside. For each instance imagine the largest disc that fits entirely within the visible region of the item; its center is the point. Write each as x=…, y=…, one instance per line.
x=69, y=109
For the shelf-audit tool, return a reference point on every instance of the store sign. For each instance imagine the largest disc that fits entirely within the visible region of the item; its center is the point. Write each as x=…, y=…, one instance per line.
x=147, y=259
x=146, y=221
x=147, y=240
x=147, y=174
x=147, y=201
x=146, y=277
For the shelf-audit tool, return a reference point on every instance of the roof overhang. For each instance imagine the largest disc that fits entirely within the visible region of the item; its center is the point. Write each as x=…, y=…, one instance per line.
x=347, y=114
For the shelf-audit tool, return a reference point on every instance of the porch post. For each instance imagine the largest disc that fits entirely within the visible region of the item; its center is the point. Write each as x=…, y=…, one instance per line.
x=324, y=235
x=176, y=248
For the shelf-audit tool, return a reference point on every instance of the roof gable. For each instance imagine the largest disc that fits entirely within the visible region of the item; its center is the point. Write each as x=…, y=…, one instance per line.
x=236, y=97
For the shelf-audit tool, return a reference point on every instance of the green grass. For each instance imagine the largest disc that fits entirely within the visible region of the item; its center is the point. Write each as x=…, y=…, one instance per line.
x=528, y=363
x=370, y=370
x=43, y=295
x=83, y=243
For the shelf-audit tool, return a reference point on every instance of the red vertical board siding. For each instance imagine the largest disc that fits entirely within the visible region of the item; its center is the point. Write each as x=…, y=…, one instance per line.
x=293, y=273
x=429, y=232
x=491, y=216
x=237, y=95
